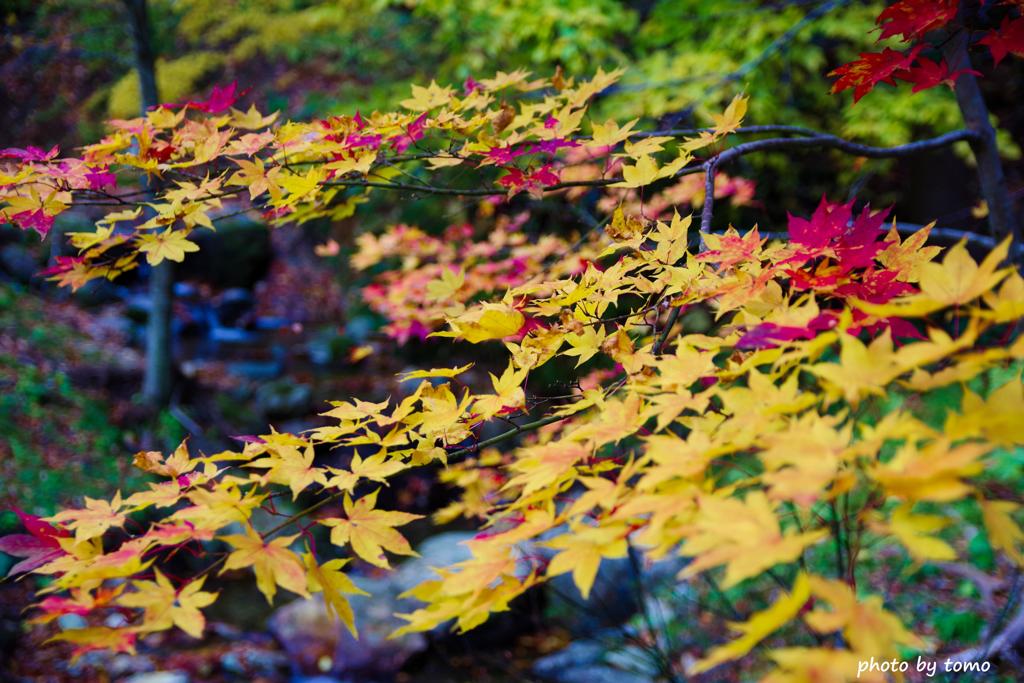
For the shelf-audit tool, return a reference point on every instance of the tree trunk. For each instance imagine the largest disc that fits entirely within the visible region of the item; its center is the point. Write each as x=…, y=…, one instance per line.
x=156, y=386
x=1001, y=218
x=145, y=57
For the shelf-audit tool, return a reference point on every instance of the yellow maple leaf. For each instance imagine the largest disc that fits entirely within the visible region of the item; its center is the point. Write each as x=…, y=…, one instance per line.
x=1003, y=531
x=627, y=229
x=285, y=465
x=870, y=630
x=177, y=463
x=217, y=507
x=905, y=258
x=671, y=239
x=1007, y=305
x=370, y=531
x=165, y=117
x=447, y=285
x=273, y=563
x=85, y=240
x=424, y=98
x=915, y=532
x=729, y=120
x=818, y=665
x=377, y=467
x=744, y=535
x=610, y=133
x=508, y=393
x=169, y=244
x=94, y=519
x=582, y=551
x=434, y=372
x=252, y=119
x=546, y=464
x=254, y=175
x=862, y=369
x=355, y=410
x=166, y=606
x=444, y=161
x=646, y=146
x=934, y=472
x=586, y=344
x=958, y=280
x=327, y=578
x=996, y=418
x=758, y=627
x=441, y=413
x=163, y=494
x=299, y=187
x=643, y=172
x=484, y=322
x=97, y=638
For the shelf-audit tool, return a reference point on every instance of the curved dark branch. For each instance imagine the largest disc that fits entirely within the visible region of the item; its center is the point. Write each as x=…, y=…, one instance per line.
x=825, y=140
x=774, y=129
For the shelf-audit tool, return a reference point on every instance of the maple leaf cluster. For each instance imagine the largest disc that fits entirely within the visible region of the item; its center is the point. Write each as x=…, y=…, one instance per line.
x=914, y=21
x=729, y=448
x=431, y=278
x=735, y=447
x=215, y=160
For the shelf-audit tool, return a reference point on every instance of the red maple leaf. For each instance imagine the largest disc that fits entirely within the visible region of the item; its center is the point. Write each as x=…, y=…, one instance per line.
x=928, y=74
x=514, y=179
x=37, y=547
x=160, y=150
x=914, y=18
x=854, y=241
x=1008, y=39
x=873, y=68
x=220, y=100
x=857, y=246
x=876, y=286
x=544, y=176
x=517, y=180
x=826, y=224
x=901, y=328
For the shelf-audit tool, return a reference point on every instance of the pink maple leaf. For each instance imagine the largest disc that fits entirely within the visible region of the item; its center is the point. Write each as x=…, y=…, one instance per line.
x=30, y=153
x=38, y=220
x=401, y=142
x=101, y=178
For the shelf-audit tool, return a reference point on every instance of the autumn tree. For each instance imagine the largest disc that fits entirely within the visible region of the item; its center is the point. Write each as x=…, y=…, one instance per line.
x=780, y=448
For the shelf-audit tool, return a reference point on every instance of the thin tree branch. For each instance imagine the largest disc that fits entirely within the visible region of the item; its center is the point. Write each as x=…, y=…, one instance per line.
x=828, y=141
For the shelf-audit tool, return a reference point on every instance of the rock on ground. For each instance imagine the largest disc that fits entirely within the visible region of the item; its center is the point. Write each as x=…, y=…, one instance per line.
x=319, y=645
